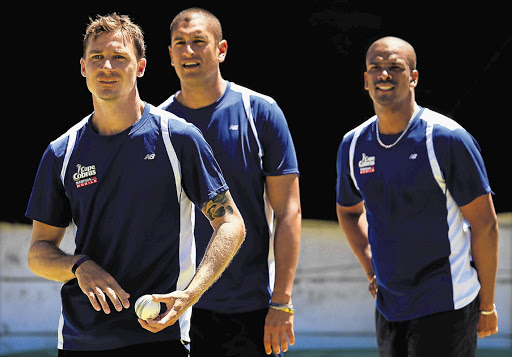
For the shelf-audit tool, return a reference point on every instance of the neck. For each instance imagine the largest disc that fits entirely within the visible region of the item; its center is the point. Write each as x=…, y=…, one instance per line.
x=394, y=119
x=199, y=96
x=115, y=116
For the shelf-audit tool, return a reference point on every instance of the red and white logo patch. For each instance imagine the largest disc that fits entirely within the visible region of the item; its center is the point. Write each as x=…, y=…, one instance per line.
x=367, y=164
x=85, y=175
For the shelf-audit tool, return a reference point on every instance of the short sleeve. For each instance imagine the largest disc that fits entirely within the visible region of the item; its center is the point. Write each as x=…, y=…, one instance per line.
x=48, y=201
x=202, y=177
x=347, y=195
x=279, y=157
x=462, y=166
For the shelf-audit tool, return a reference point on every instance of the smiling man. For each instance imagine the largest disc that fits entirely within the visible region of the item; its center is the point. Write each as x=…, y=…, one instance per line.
x=128, y=176
x=414, y=201
x=249, y=311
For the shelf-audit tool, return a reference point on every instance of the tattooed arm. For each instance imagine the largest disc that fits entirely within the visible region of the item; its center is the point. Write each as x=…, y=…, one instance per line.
x=218, y=206
x=228, y=235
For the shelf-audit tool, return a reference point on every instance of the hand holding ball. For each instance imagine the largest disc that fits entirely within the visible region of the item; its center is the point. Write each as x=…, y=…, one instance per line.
x=146, y=307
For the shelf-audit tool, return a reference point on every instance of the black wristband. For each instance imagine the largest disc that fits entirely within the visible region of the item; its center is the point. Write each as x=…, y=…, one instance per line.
x=78, y=263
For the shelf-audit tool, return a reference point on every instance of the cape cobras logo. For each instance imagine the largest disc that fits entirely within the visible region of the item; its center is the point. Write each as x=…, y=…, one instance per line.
x=367, y=164
x=85, y=175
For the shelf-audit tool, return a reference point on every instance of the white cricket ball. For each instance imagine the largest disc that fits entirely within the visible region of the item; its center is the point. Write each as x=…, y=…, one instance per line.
x=146, y=307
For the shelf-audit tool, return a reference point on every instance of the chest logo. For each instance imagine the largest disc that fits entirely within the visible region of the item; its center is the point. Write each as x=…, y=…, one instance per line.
x=367, y=164
x=85, y=175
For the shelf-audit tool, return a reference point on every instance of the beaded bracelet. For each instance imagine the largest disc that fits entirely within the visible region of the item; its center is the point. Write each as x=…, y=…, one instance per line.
x=282, y=307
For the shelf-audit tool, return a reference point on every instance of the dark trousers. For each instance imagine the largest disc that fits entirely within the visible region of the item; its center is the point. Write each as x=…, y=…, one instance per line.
x=446, y=334
x=167, y=348
x=227, y=335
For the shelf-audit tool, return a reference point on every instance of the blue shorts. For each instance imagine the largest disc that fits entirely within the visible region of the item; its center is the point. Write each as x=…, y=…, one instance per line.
x=447, y=334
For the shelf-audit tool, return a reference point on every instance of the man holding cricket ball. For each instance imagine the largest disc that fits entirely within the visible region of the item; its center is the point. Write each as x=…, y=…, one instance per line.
x=128, y=176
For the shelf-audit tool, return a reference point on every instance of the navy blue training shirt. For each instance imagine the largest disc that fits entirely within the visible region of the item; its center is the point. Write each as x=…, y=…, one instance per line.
x=250, y=138
x=412, y=192
x=131, y=198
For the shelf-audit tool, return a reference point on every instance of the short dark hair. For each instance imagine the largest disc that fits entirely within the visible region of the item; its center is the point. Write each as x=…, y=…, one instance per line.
x=188, y=14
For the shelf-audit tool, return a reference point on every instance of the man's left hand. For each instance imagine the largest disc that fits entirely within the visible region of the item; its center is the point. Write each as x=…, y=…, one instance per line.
x=177, y=303
x=487, y=325
x=278, y=331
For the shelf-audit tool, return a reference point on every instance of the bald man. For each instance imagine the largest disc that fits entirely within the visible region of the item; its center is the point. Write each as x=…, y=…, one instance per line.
x=414, y=201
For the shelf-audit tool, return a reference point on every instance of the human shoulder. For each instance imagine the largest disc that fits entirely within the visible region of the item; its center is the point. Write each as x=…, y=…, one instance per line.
x=348, y=143
x=263, y=110
x=168, y=102
x=181, y=133
x=251, y=94
x=262, y=106
x=175, y=124
x=354, y=133
x=457, y=152
x=446, y=130
x=59, y=145
x=434, y=118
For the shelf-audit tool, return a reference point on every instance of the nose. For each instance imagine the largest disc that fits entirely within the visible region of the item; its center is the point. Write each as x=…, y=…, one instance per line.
x=189, y=49
x=107, y=64
x=384, y=75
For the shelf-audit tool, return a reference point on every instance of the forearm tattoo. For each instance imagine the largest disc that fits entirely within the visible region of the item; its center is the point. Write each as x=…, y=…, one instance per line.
x=218, y=206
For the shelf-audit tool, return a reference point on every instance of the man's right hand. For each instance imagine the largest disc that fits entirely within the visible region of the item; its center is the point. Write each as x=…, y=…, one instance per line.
x=97, y=284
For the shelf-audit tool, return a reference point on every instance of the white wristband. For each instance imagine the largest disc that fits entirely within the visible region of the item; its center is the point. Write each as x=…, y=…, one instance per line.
x=483, y=312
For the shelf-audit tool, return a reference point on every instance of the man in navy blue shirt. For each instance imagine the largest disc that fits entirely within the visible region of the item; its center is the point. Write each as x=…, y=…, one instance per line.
x=414, y=201
x=128, y=177
x=246, y=312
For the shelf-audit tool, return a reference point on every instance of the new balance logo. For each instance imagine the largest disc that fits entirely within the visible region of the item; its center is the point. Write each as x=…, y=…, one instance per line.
x=149, y=157
x=233, y=127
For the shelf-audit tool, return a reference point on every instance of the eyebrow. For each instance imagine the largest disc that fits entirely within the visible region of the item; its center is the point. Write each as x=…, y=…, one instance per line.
x=401, y=61
x=386, y=62
x=98, y=50
x=197, y=34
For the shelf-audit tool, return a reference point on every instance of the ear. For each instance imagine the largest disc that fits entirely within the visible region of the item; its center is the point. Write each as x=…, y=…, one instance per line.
x=365, y=81
x=142, y=67
x=170, y=55
x=414, y=78
x=223, y=49
x=82, y=67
